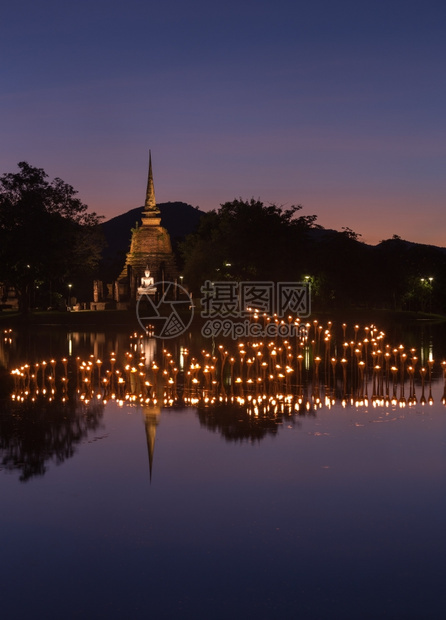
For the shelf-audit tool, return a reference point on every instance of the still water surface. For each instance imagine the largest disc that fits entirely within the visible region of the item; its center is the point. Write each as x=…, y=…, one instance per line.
x=172, y=512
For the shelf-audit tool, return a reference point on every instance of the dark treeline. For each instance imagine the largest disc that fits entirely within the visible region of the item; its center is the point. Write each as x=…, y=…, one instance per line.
x=247, y=240
x=51, y=249
x=50, y=244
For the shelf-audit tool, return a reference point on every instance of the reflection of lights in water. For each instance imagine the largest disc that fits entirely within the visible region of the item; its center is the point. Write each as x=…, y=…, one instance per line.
x=267, y=377
x=431, y=351
x=307, y=358
x=183, y=357
x=148, y=346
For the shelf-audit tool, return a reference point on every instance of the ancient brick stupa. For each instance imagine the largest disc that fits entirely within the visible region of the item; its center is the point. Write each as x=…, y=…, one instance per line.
x=150, y=249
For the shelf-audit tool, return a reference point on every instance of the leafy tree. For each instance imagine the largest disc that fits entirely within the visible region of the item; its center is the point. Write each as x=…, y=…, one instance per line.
x=393, y=272
x=246, y=240
x=341, y=263
x=46, y=234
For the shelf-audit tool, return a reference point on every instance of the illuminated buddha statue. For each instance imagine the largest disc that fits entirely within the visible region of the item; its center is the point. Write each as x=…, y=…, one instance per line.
x=147, y=284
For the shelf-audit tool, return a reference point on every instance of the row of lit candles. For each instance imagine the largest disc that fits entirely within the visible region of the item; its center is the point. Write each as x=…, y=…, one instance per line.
x=260, y=368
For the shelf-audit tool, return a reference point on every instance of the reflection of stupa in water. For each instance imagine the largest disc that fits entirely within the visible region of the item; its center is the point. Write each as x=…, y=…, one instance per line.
x=152, y=411
x=150, y=250
x=151, y=421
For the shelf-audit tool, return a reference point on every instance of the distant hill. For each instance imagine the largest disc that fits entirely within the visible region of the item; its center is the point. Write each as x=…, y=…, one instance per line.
x=322, y=235
x=179, y=218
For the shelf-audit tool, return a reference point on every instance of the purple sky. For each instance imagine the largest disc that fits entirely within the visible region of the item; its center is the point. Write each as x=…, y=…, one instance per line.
x=337, y=106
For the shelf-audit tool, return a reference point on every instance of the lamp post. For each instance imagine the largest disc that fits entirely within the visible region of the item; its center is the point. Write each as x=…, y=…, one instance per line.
x=427, y=284
x=69, y=296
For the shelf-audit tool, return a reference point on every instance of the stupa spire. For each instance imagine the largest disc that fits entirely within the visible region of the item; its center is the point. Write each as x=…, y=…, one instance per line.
x=150, y=250
x=150, y=205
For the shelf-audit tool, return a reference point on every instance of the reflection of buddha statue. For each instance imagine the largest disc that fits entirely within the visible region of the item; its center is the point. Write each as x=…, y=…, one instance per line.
x=147, y=284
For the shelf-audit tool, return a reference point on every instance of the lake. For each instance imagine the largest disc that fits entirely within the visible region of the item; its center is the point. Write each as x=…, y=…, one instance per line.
x=180, y=500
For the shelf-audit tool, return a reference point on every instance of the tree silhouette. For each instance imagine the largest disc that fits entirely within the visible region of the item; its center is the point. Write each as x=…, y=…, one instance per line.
x=46, y=234
x=247, y=240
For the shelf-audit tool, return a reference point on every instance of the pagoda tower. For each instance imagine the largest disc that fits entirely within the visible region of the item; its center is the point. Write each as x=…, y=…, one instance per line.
x=150, y=248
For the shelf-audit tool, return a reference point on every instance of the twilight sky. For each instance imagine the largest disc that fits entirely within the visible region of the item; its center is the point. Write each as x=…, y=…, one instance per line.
x=339, y=106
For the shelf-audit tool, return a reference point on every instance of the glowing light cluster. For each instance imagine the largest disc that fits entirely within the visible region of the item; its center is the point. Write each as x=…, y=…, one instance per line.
x=280, y=376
